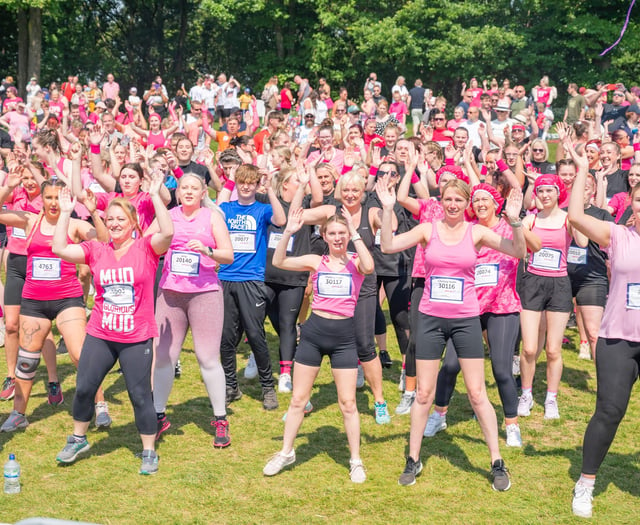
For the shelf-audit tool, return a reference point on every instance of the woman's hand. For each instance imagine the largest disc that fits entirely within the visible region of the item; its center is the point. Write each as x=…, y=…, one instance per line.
x=157, y=178
x=198, y=246
x=96, y=135
x=75, y=152
x=67, y=204
x=386, y=195
x=349, y=219
x=294, y=221
x=514, y=206
x=89, y=200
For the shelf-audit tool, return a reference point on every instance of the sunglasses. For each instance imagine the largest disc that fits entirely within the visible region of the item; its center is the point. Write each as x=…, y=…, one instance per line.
x=390, y=173
x=618, y=95
x=536, y=150
x=438, y=118
x=309, y=116
x=341, y=110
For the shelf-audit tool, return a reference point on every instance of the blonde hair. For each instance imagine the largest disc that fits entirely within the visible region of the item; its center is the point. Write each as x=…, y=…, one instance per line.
x=339, y=219
x=283, y=176
x=352, y=177
x=128, y=209
x=459, y=186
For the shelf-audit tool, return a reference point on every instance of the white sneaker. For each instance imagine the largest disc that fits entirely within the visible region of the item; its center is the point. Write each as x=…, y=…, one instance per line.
x=403, y=381
x=278, y=462
x=515, y=366
x=360, y=380
x=524, y=405
x=2, y=334
x=284, y=383
x=514, y=439
x=435, y=424
x=582, y=504
x=405, y=403
x=251, y=369
x=551, y=409
x=585, y=351
x=356, y=471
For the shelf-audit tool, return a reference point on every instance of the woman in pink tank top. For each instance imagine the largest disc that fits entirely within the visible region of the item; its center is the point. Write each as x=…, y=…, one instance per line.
x=337, y=279
x=449, y=309
x=51, y=292
x=155, y=135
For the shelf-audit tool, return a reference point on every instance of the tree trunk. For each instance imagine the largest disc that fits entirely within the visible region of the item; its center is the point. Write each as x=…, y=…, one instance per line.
x=35, y=41
x=23, y=51
x=178, y=67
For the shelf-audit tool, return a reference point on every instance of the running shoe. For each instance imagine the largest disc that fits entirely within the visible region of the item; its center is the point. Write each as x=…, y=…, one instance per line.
x=385, y=359
x=402, y=384
x=285, y=385
x=251, y=370
x=8, y=388
x=551, y=409
x=360, y=379
x=500, y=475
x=233, y=394
x=222, y=438
x=357, y=472
x=525, y=403
x=163, y=425
x=15, y=421
x=278, y=462
x=515, y=367
x=405, y=403
x=177, y=371
x=149, y=463
x=307, y=410
x=62, y=347
x=54, y=394
x=103, y=419
x=72, y=450
x=514, y=439
x=585, y=351
x=436, y=423
x=582, y=504
x=269, y=398
x=382, y=413
x=411, y=470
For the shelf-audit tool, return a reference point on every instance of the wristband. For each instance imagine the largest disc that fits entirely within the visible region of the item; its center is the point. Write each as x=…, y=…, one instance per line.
x=529, y=167
x=177, y=172
x=95, y=148
x=502, y=165
x=517, y=224
x=414, y=178
x=356, y=237
x=373, y=171
x=449, y=162
x=346, y=169
x=636, y=146
x=483, y=170
x=229, y=185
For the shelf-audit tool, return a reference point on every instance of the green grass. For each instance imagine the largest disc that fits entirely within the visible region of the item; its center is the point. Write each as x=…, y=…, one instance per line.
x=197, y=484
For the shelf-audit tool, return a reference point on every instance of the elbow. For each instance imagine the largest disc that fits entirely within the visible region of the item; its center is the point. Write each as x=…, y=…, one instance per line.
x=225, y=257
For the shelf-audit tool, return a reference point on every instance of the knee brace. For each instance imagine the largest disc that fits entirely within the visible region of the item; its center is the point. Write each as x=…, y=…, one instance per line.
x=27, y=364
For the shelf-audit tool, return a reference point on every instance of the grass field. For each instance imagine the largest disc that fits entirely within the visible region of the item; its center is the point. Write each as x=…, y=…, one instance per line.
x=197, y=484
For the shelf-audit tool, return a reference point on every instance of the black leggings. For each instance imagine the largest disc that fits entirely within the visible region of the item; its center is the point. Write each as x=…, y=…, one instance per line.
x=417, y=290
x=617, y=363
x=398, y=294
x=97, y=358
x=364, y=319
x=502, y=332
x=283, y=307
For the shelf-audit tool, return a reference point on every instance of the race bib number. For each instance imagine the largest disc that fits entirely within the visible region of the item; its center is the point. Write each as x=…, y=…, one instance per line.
x=447, y=289
x=334, y=284
x=376, y=241
x=546, y=259
x=243, y=242
x=46, y=269
x=185, y=263
x=96, y=188
x=577, y=255
x=274, y=239
x=118, y=294
x=18, y=233
x=633, y=296
x=487, y=274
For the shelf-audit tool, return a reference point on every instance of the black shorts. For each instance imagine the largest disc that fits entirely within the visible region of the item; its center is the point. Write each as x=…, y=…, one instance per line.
x=224, y=112
x=286, y=111
x=590, y=294
x=539, y=293
x=16, y=275
x=49, y=309
x=333, y=337
x=434, y=332
x=3, y=238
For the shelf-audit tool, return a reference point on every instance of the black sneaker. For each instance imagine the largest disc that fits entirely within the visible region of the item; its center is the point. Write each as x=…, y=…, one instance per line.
x=500, y=475
x=163, y=425
x=222, y=438
x=385, y=359
x=269, y=398
x=411, y=471
x=233, y=394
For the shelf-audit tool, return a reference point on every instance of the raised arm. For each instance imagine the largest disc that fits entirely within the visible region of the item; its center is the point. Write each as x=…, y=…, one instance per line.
x=280, y=260
x=161, y=240
x=72, y=253
x=515, y=247
x=279, y=218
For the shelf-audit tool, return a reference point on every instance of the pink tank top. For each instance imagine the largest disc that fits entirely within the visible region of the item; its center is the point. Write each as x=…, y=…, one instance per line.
x=449, y=290
x=123, y=310
x=17, y=238
x=51, y=171
x=157, y=140
x=184, y=270
x=48, y=277
x=495, y=277
x=543, y=95
x=551, y=259
x=336, y=292
x=430, y=211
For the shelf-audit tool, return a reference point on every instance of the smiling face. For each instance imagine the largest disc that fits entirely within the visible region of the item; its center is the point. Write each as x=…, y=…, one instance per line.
x=483, y=206
x=454, y=203
x=119, y=224
x=608, y=155
x=29, y=183
x=184, y=150
x=567, y=174
x=325, y=178
x=351, y=194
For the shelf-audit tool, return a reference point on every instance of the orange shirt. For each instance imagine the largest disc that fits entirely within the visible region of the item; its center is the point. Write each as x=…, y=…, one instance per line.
x=223, y=139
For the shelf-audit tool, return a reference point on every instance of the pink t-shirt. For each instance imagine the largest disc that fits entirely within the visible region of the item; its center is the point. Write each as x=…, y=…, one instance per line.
x=110, y=90
x=123, y=310
x=18, y=122
x=449, y=290
x=141, y=201
x=495, y=277
x=475, y=96
x=337, y=160
x=430, y=211
x=619, y=202
x=398, y=109
x=186, y=271
x=621, y=318
x=336, y=292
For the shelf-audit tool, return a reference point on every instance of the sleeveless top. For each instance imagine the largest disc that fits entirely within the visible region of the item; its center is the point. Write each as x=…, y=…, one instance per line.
x=551, y=259
x=17, y=238
x=336, y=292
x=430, y=211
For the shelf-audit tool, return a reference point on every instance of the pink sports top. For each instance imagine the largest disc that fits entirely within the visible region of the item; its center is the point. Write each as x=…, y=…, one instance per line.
x=430, y=211
x=336, y=292
x=495, y=277
x=184, y=270
x=48, y=277
x=123, y=310
x=157, y=140
x=449, y=290
x=19, y=200
x=551, y=259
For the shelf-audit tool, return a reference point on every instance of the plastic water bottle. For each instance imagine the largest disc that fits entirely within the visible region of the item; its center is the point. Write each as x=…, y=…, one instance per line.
x=12, y=476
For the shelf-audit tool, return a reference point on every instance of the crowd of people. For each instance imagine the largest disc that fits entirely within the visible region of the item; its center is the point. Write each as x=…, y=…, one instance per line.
x=326, y=208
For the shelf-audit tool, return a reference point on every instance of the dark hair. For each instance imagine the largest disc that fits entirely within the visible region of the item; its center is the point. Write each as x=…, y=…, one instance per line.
x=242, y=140
x=135, y=166
x=52, y=183
x=48, y=137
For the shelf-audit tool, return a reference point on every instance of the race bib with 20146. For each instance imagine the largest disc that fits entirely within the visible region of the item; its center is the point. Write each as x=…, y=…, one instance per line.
x=45, y=268
x=334, y=284
x=447, y=289
x=487, y=274
x=243, y=242
x=185, y=263
x=546, y=259
x=577, y=255
x=274, y=239
x=633, y=296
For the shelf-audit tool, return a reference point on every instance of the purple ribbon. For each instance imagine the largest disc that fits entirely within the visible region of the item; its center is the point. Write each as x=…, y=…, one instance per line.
x=624, y=28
